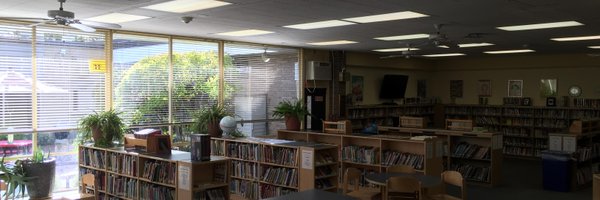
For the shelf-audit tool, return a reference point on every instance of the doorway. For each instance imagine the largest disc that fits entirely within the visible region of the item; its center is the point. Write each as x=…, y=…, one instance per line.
x=316, y=102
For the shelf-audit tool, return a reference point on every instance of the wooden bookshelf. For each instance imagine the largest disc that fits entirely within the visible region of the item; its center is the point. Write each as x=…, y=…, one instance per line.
x=132, y=174
x=453, y=145
x=459, y=124
x=203, y=179
x=384, y=115
x=596, y=189
x=338, y=127
x=413, y=122
x=263, y=168
x=525, y=128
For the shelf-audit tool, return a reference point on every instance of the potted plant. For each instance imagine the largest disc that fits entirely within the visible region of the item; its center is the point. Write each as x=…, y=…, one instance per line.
x=104, y=127
x=206, y=120
x=292, y=111
x=35, y=174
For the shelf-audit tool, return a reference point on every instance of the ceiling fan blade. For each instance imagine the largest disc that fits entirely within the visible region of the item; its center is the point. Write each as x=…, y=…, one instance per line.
x=25, y=18
x=40, y=23
x=100, y=24
x=82, y=27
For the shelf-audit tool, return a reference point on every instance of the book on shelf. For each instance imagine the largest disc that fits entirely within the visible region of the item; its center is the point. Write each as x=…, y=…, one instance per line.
x=93, y=158
x=279, y=155
x=281, y=176
x=466, y=150
x=360, y=154
x=403, y=158
x=99, y=175
x=243, y=150
x=159, y=171
x=121, y=186
x=324, y=171
x=213, y=194
x=149, y=191
x=268, y=191
x=324, y=158
x=247, y=189
x=244, y=169
x=473, y=172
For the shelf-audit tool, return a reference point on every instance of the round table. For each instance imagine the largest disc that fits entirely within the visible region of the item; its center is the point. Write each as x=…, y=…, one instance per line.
x=380, y=179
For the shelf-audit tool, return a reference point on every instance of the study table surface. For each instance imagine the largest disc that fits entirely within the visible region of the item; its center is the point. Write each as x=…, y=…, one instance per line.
x=313, y=194
x=380, y=179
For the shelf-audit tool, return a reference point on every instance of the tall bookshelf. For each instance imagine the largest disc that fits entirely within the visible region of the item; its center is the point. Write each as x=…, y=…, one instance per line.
x=362, y=116
x=525, y=128
x=264, y=168
x=585, y=151
x=132, y=175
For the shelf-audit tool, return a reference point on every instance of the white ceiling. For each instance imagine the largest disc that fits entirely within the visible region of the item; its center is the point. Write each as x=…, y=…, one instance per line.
x=460, y=16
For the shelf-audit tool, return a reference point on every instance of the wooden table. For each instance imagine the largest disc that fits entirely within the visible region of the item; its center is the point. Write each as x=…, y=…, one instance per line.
x=380, y=179
x=313, y=194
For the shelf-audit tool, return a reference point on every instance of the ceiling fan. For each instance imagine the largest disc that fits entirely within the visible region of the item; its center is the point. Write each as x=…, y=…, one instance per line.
x=408, y=53
x=67, y=18
x=439, y=38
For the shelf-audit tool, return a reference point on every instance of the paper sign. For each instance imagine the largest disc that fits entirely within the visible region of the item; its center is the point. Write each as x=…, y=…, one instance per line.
x=569, y=144
x=307, y=159
x=555, y=143
x=98, y=66
x=184, y=177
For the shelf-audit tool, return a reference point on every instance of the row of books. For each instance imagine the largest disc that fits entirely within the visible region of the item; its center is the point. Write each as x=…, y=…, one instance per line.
x=217, y=147
x=280, y=155
x=99, y=175
x=159, y=171
x=93, y=158
x=268, y=191
x=588, y=152
x=519, y=151
x=324, y=158
x=472, y=172
x=243, y=150
x=213, y=194
x=586, y=103
x=121, y=163
x=403, y=158
x=121, y=186
x=244, y=169
x=360, y=154
x=247, y=189
x=551, y=123
x=281, y=176
x=466, y=150
x=519, y=132
x=149, y=191
x=584, y=174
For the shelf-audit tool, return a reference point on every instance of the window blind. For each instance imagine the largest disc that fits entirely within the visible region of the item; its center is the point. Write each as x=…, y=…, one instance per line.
x=254, y=87
x=195, y=77
x=15, y=77
x=67, y=89
x=140, y=78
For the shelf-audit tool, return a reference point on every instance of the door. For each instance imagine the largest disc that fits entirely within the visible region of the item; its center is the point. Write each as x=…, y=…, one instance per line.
x=316, y=104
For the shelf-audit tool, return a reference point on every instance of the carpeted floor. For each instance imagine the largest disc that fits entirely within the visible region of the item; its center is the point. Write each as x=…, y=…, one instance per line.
x=522, y=180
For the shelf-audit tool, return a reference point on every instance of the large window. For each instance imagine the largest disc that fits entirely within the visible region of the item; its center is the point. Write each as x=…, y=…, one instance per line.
x=254, y=86
x=140, y=78
x=195, y=77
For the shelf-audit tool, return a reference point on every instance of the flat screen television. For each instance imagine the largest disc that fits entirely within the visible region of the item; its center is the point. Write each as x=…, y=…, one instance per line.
x=393, y=87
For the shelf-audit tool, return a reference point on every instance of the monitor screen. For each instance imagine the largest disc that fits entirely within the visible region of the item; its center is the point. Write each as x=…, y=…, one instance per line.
x=393, y=86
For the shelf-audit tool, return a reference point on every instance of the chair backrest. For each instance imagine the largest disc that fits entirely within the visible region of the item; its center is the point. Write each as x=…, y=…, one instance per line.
x=456, y=179
x=351, y=176
x=401, y=169
x=88, y=181
x=405, y=185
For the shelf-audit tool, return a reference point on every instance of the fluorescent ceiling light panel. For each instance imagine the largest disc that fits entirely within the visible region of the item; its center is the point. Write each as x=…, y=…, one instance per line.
x=183, y=6
x=248, y=32
x=540, y=26
x=117, y=18
x=527, y=27
x=386, y=17
x=444, y=55
x=320, y=24
x=403, y=37
x=467, y=45
x=335, y=42
x=594, y=47
x=509, y=51
x=395, y=49
x=566, y=39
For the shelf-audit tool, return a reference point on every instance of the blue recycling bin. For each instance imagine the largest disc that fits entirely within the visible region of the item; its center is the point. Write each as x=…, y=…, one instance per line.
x=557, y=166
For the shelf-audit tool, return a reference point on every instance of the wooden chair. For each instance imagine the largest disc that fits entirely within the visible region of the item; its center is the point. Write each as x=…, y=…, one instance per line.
x=451, y=178
x=352, y=176
x=401, y=169
x=403, y=187
x=88, y=182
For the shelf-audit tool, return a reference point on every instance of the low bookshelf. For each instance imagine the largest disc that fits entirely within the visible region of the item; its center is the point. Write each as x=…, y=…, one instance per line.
x=132, y=175
x=263, y=168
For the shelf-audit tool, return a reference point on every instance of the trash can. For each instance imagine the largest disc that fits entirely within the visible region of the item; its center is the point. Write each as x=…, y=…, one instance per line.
x=557, y=166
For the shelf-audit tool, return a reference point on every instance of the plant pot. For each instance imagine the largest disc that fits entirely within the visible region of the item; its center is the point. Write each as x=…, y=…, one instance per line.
x=42, y=182
x=214, y=130
x=292, y=123
x=97, y=134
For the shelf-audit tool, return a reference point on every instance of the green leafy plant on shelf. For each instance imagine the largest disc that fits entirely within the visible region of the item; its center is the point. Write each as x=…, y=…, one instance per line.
x=14, y=177
x=104, y=127
x=293, y=112
x=206, y=120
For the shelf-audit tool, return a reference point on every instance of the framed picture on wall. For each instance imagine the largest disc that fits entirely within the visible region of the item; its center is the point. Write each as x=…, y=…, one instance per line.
x=484, y=88
x=456, y=88
x=357, y=88
x=548, y=87
x=515, y=88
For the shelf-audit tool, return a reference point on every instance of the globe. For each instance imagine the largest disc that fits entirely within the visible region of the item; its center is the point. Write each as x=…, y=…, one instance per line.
x=228, y=125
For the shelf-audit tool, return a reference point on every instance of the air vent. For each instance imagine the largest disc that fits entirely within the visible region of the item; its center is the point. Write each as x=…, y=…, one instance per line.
x=318, y=71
